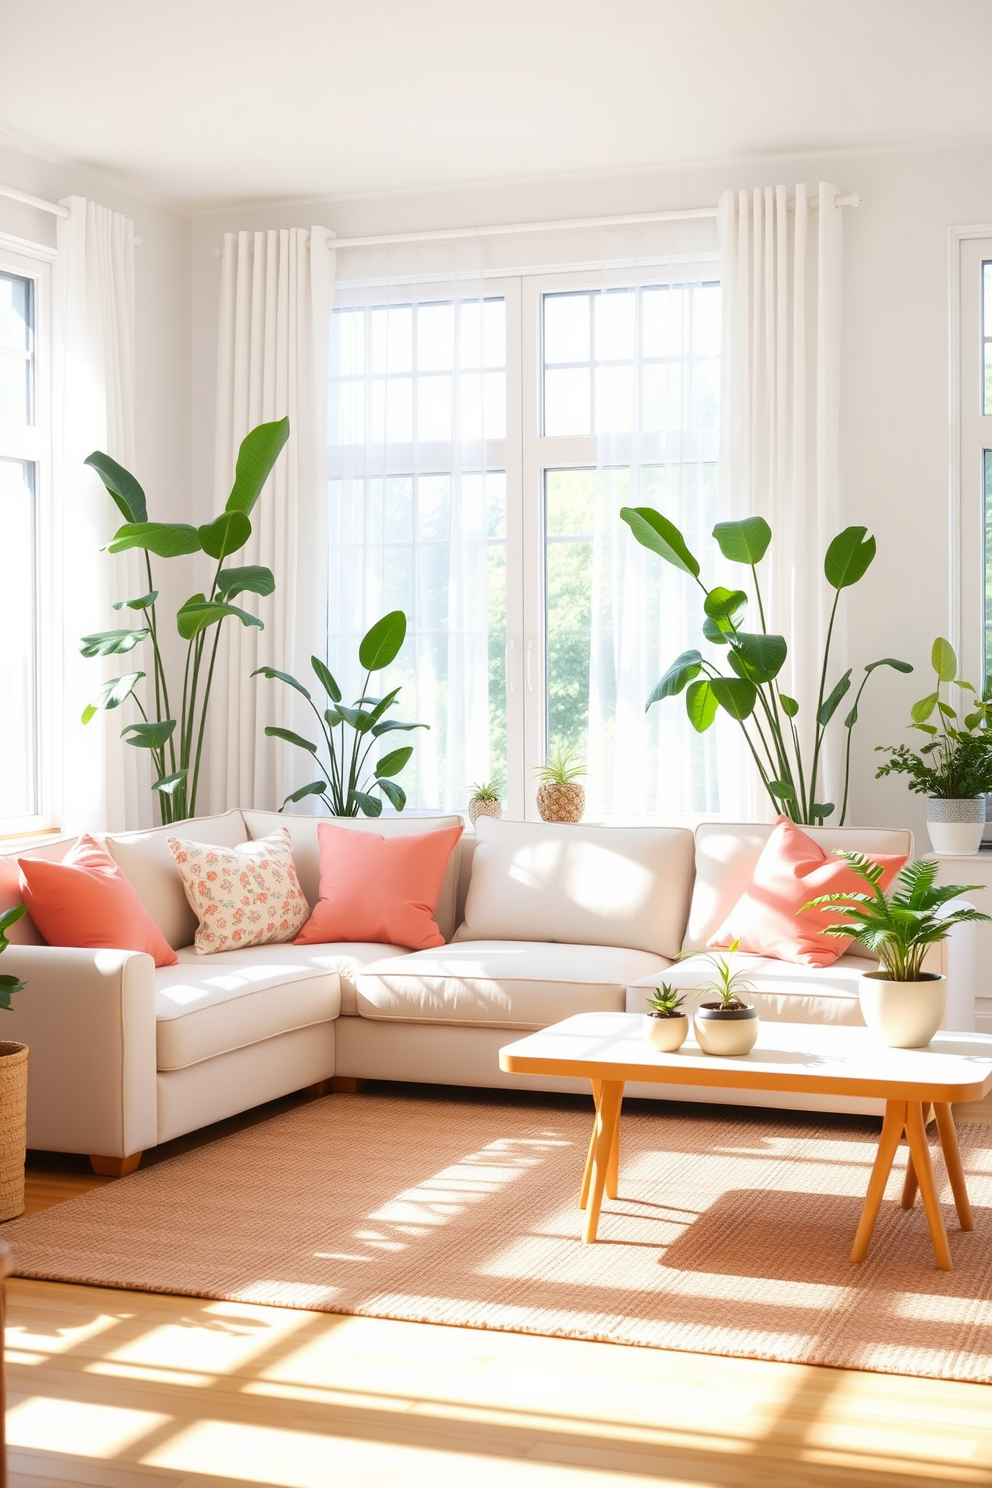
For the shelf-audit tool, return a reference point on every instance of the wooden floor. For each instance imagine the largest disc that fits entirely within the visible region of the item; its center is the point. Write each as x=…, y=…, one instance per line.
x=128, y=1389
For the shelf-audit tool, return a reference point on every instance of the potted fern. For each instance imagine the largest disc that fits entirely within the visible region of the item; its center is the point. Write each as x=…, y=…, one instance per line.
x=725, y=1024
x=559, y=796
x=901, y=1001
x=666, y=1026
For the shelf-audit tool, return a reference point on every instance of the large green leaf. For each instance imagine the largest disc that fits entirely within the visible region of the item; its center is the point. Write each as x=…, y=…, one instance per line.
x=371, y=805
x=393, y=763
x=114, y=692
x=164, y=539
x=735, y=695
x=391, y=725
x=725, y=607
x=287, y=735
x=197, y=613
x=315, y=788
x=127, y=494
x=382, y=643
x=848, y=557
x=656, y=532
x=681, y=672
x=111, y=642
x=889, y=661
x=395, y=792
x=712, y=632
x=225, y=534
x=831, y=704
x=789, y=705
x=7, y=918
x=9, y=984
x=267, y=671
x=149, y=735
x=356, y=717
x=765, y=654
x=701, y=705
x=921, y=710
x=169, y=784
x=143, y=602
x=325, y=679
x=943, y=660
x=252, y=579
x=743, y=542
x=259, y=451
x=782, y=790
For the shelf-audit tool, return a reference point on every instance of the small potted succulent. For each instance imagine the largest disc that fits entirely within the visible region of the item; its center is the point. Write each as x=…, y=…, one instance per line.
x=726, y=1025
x=666, y=1026
x=954, y=769
x=13, y=1092
x=559, y=797
x=484, y=801
x=901, y=1001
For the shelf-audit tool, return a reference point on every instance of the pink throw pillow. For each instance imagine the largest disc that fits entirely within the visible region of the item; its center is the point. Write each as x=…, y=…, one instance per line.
x=86, y=901
x=792, y=870
x=379, y=889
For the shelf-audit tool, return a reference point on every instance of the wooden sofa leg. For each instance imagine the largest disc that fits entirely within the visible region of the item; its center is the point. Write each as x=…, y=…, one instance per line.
x=317, y=1089
x=114, y=1167
x=346, y=1084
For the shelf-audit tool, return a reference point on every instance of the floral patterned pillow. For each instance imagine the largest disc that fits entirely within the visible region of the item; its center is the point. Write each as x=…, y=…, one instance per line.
x=242, y=896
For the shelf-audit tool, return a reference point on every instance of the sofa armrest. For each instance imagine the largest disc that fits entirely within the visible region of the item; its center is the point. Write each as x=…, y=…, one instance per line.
x=955, y=957
x=88, y=1018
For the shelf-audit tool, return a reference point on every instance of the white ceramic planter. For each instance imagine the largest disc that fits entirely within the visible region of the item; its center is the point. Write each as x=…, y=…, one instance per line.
x=956, y=827
x=727, y=1033
x=906, y=1014
x=666, y=1034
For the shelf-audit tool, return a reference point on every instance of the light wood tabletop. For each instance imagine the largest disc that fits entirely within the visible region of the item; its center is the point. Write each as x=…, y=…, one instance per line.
x=610, y=1049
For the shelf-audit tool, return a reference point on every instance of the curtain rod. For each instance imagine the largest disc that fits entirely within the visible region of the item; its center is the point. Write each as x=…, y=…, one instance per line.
x=34, y=201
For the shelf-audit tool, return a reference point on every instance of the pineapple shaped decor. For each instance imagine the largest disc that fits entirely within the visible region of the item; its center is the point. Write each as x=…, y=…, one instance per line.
x=484, y=801
x=559, y=797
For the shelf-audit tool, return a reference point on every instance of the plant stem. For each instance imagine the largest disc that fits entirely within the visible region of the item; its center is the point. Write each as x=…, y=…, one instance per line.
x=820, y=728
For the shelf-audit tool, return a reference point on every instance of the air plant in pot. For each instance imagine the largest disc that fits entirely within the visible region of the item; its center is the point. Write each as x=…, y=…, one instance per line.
x=901, y=1001
x=666, y=1026
x=485, y=800
x=725, y=1024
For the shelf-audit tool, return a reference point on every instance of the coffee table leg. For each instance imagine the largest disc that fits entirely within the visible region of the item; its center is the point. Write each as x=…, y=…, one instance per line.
x=952, y=1160
x=892, y=1129
x=597, y=1095
x=607, y=1118
x=920, y=1148
x=911, y=1184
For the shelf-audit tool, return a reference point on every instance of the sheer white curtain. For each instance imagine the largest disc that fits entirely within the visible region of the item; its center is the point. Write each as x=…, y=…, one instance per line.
x=272, y=360
x=104, y=782
x=417, y=501
x=781, y=257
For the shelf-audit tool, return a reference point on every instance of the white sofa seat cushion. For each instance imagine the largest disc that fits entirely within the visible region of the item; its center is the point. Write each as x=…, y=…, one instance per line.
x=204, y=1010
x=347, y=958
x=579, y=885
x=783, y=993
x=501, y=983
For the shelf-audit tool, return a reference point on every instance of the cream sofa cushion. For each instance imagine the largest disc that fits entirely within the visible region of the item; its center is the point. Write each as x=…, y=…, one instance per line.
x=306, y=849
x=346, y=960
x=579, y=885
x=783, y=993
x=204, y=1009
x=726, y=855
x=145, y=858
x=501, y=983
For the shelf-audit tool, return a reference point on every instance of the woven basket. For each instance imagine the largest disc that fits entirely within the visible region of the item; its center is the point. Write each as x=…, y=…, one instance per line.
x=13, y=1127
x=483, y=808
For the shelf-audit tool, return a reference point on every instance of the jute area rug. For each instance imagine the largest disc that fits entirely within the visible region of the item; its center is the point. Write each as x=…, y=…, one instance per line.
x=731, y=1235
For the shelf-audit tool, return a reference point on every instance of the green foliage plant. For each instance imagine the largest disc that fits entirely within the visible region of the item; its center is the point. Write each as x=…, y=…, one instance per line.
x=901, y=926
x=9, y=984
x=175, y=737
x=666, y=1002
x=488, y=791
x=751, y=695
x=957, y=761
x=348, y=735
x=726, y=986
x=561, y=768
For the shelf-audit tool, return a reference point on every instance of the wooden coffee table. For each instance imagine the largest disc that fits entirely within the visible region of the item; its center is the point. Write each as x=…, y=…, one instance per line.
x=609, y=1049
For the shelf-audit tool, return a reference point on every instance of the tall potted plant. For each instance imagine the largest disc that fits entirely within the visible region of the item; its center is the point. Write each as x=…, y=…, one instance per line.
x=13, y=1092
x=954, y=769
x=901, y=1001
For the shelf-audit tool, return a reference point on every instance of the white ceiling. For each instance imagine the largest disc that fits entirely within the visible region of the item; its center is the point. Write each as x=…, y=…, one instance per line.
x=203, y=103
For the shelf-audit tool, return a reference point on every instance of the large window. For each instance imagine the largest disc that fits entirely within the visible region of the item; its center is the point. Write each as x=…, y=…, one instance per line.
x=25, y=803
x=481, y=446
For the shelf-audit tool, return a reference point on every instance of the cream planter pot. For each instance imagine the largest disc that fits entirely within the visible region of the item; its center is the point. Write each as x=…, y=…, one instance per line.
x=666, y=1034
x=906, y=1014
x=956, y=827
x=726, y=1032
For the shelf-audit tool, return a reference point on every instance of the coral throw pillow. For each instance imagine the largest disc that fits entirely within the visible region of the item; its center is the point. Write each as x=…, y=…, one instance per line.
x=85, y=900
x=242, y=896
x=792, y=870
x=379, y=889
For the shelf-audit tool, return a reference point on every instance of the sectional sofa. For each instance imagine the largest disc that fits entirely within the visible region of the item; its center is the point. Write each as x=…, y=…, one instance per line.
x=540, y=921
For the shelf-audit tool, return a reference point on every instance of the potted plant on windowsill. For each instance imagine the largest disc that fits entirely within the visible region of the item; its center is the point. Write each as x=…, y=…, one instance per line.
x=901, y=1001
x=953, y=770
x=726, y=1025
x=484, y=801
x=559, y=796
x=666, y=1026
x=13, y=1092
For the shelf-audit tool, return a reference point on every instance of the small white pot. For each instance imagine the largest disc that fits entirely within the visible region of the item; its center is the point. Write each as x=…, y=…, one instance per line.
x=666, y=1034
x=906, y=1014
x=956, y=827
x=726, y=1032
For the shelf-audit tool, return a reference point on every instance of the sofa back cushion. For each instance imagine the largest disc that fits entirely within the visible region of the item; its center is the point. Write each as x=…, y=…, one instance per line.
x=727, y=854
x=24, y=930
x=306, y=848
x=146, y=859
x=579, y=885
